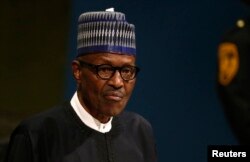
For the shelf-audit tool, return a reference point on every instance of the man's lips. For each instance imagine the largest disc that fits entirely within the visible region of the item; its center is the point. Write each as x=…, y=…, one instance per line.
x=113, y=96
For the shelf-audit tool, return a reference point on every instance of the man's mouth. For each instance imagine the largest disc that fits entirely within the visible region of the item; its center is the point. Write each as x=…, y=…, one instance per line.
x=113, y=96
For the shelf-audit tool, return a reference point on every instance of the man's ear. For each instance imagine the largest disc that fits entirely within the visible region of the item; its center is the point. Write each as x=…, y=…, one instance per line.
x=76, y=70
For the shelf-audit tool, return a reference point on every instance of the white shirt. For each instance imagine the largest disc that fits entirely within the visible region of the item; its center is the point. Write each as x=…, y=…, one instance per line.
x=88, y=119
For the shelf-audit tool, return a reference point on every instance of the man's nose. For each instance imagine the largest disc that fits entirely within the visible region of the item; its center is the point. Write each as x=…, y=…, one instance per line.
x=116, y=80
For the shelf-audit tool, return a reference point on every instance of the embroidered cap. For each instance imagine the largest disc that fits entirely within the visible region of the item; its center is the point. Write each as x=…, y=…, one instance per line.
x=105, y=31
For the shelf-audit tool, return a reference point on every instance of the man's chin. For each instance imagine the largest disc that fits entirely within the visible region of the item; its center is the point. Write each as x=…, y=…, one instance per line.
x=113, y=111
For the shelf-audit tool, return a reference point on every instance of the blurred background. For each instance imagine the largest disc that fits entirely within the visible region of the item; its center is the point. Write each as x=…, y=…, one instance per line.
x=177, y=45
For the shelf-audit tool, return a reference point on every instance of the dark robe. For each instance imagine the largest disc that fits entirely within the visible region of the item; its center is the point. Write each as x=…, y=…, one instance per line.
x=59, y=135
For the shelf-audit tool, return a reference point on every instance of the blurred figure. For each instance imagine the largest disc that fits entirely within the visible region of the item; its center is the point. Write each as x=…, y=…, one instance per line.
x=234, y=78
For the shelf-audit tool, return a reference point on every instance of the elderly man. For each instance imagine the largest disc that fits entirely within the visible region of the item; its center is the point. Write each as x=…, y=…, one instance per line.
x=92, y=127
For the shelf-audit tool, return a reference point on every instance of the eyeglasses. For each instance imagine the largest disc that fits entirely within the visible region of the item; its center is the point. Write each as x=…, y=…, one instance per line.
x=106, y=71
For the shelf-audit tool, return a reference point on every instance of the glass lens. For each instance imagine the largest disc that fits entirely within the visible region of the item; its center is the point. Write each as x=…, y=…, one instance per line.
x=128, y=73
x=105, y=71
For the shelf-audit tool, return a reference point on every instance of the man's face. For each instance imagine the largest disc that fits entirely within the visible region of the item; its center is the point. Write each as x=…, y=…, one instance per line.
x=228, y=62
x=103, y=98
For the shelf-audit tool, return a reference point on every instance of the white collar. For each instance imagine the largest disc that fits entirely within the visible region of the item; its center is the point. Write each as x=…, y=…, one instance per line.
x=88, y=119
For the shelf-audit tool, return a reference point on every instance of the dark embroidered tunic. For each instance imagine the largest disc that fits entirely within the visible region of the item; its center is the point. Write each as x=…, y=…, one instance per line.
x=59, y=135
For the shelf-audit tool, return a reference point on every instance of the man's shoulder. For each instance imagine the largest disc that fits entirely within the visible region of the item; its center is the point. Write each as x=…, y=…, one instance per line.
x=134, y=119
x=46, y=118
x=131, y=115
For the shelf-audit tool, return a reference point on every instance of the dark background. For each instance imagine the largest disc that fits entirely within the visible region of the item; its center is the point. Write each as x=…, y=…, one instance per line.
x=33, y=42
x=176, y=48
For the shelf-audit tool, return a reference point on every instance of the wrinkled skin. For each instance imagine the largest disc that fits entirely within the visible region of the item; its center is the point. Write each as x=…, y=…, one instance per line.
x=103, y=98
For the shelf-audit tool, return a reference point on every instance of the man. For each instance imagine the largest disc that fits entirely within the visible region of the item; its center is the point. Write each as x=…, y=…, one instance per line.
x=234, y=78
x=92, y=127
